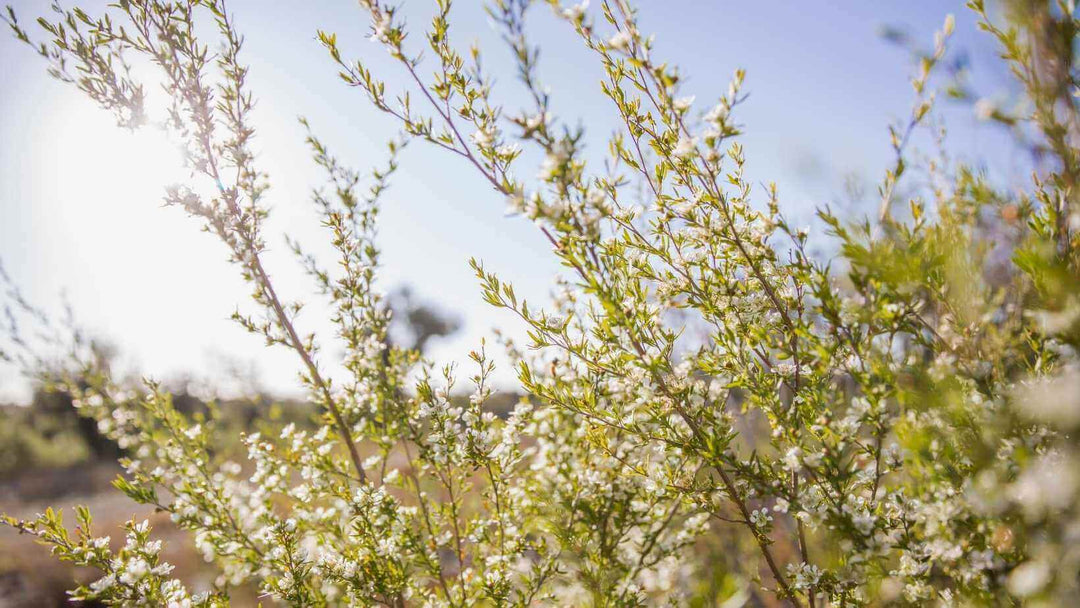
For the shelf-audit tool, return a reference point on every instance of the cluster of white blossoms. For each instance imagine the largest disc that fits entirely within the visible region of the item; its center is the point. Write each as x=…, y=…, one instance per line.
x=134, y=575
x=710, y=410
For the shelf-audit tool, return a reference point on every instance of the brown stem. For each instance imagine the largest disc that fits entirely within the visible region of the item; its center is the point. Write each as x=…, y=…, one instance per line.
x=313, y=369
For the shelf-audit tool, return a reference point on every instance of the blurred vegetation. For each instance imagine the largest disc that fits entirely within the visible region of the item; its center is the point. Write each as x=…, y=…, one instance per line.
x=49, y=433
x=49, y=452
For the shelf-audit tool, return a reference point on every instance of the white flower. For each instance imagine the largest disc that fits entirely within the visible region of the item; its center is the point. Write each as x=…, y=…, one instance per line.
x=804, y=575
x=103, y=583
x=685, y=148
x=381, y=27
x=864, y=522
x=683, y=104
x=515, y=202
x=791, y=459
x=484, y=138
x=716, y=115
x=134, y=572
x=550, y=167
x=534, y=121
x=760, y=518
x=577, y=11
x=620, y=41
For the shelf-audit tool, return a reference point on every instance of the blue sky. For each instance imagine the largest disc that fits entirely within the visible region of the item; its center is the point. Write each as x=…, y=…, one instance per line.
x=80, y=200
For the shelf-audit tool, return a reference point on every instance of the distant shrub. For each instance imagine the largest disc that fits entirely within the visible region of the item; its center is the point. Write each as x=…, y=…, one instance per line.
x=28, y=443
